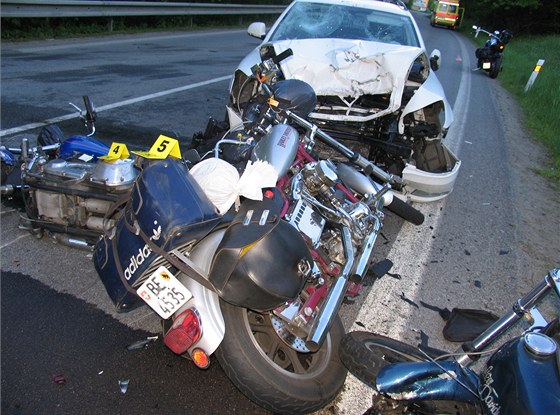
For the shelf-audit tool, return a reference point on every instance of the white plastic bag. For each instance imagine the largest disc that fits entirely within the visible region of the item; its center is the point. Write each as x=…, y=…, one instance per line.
x=223, y=186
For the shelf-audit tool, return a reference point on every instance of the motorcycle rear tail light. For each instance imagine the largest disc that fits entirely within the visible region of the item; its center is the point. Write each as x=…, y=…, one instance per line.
x=184, y=332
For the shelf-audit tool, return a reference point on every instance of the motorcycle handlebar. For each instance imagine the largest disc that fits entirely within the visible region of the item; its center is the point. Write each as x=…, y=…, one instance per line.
x=520, y=308
x=368, y=167
x=90, y=110
x=283, y=55
x=16, y=150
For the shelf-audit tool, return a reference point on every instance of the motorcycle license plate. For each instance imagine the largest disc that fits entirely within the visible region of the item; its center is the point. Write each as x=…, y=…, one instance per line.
x=163, y=292
x=486, y=65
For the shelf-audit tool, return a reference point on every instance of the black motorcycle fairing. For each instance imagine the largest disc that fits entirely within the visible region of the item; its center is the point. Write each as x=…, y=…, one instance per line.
x=262, y=261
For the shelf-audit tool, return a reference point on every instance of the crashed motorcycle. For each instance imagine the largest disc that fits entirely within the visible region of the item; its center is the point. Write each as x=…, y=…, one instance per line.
x=490, y=56
x=520, y=376
x=69, y=191
x=253, y=268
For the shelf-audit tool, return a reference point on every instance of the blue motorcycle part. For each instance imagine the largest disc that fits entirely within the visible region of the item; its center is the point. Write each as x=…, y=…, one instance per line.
x=8, y=158
x=82, y=144
x=167, y=206
x=416, y=381
x=520, y=380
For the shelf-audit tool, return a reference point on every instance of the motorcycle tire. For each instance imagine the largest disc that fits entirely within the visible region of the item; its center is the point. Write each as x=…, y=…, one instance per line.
x=272, y=374
x=364, y=354
x=405, y=211
x=49, y=135
x=496, y=68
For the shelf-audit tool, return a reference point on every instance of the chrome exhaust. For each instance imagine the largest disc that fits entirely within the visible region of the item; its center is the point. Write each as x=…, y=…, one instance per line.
x=329, y=310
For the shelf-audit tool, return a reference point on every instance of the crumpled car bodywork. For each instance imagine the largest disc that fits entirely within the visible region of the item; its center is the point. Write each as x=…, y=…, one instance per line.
x=383, y=96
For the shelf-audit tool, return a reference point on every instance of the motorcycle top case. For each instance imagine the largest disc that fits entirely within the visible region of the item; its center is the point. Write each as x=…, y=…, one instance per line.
x=167, y=207
x=262, y=261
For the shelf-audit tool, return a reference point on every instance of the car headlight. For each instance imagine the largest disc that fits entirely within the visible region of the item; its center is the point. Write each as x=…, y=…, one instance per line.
x=419, y=70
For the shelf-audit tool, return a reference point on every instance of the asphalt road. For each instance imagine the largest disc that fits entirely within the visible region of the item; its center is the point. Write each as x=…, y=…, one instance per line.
x=56, y=316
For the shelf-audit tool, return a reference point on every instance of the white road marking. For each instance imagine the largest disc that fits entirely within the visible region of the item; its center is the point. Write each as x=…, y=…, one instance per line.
x=14, y=240
x=55, y=120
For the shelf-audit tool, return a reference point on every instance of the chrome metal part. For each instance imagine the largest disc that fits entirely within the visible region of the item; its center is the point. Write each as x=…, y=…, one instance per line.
x=294, y=342
x=540, y=344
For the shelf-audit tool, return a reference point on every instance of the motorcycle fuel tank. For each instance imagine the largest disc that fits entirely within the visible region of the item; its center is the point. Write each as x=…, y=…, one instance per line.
x=278, y=148
x=84, y=145
x=523, y=378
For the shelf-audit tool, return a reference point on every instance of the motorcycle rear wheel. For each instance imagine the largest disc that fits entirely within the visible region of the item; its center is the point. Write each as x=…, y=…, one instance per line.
x=272, y=374
x=496, y=68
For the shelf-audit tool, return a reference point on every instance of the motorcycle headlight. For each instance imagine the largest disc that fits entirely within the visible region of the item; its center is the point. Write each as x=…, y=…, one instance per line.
x=419, y=70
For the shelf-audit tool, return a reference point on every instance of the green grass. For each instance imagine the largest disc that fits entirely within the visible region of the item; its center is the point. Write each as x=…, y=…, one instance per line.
x=16, y=29
x=541, y=104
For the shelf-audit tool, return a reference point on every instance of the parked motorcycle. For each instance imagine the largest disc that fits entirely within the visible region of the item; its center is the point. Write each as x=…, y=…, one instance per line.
x=258, y=283
x=521, y=376
x=489, y=58
x=68, y=192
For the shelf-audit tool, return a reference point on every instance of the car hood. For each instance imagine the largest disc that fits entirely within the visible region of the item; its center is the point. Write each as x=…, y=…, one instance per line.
x=349, y=68
x=352, y=68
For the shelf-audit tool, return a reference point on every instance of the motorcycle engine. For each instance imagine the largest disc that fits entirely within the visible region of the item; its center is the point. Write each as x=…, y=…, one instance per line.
x=73, y=197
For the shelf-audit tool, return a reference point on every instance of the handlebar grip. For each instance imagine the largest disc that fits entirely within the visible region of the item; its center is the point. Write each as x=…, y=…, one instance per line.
x=90, y=111
x=280, y=57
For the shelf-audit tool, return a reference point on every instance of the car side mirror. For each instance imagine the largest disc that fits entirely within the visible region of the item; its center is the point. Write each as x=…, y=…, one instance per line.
x=257, y=29
x=435, y=59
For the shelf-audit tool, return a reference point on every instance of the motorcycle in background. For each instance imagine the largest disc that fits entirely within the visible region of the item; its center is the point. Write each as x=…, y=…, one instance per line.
x=69, y=192
x=260, y=284
x=521, y=376
x=489, y=58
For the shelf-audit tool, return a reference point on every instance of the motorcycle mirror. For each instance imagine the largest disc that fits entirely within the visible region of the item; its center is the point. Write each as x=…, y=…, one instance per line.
x=476, y=30
x=257, y=29
x=435, y=59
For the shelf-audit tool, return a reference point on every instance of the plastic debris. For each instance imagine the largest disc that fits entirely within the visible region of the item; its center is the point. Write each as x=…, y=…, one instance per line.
x=123, y=384
x=142, y=343
x=56, y=378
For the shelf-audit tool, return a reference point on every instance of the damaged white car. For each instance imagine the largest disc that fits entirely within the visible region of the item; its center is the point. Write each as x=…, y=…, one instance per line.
x=374, y=81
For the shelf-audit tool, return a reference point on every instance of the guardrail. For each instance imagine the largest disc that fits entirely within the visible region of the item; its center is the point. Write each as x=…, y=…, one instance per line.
x=73, y=8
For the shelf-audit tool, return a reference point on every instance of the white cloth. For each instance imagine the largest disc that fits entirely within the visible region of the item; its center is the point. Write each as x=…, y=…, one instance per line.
x=223, y=186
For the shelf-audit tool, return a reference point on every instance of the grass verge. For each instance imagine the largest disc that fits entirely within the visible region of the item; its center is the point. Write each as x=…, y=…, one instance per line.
x=541, y=103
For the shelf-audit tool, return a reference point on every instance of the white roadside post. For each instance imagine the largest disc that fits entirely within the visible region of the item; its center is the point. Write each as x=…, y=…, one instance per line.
x=534, y=75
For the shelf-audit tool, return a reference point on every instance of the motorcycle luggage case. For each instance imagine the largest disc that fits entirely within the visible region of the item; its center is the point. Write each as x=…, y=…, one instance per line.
x=262, y=261
x=168, y=207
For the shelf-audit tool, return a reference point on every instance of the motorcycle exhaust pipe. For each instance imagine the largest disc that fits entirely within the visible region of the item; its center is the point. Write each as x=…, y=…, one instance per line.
x=329, y=310
x=7, y=190
x=72, y=242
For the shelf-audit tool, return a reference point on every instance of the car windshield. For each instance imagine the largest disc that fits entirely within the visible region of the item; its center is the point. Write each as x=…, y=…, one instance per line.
x=320, y=21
